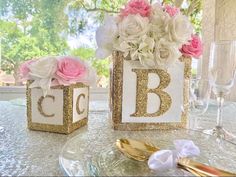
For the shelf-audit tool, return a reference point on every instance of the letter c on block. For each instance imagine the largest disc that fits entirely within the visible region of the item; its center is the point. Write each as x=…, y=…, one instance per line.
x=40, y=108
x=77, y=104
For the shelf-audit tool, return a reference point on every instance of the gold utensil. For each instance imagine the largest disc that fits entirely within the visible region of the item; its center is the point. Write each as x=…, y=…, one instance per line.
x=202, y=168
x=141, y=151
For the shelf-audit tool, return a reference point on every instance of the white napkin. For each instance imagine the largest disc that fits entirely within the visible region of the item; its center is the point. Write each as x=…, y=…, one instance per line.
x=167, y=159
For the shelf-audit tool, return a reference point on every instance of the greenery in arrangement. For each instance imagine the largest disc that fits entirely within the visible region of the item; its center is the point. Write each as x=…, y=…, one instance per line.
x=34, y=28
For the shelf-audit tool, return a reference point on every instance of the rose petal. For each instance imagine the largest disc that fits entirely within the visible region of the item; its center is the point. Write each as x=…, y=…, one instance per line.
x=172, y=11
x=141, y=7
x=193, y=48
x=70, y=70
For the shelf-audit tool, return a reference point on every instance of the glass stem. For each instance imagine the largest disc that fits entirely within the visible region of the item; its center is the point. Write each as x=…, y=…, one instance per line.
x=220, y=101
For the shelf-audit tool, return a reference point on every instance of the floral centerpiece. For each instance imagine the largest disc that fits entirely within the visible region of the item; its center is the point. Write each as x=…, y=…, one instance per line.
x=57, y=93
x=156, y=35
x=146, y=40
x=52, y=71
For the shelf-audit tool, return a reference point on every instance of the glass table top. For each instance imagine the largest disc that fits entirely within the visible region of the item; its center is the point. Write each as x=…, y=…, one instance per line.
x=22, y=149
x=93, y=153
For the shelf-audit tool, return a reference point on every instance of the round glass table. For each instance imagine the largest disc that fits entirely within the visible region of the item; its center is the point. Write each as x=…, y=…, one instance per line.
x=93, y=153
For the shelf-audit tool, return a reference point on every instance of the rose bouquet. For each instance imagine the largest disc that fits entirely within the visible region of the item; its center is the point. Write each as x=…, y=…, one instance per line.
x=52, y=71
x=156, y=35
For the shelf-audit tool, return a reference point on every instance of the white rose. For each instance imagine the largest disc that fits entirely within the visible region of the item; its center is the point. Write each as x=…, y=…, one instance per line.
x=159, y=19
x=166, y=53
x=179, y=29
x=132, y=27
x=105, y=36
x=125, y=46
x=42, y=71
x=146, y=59
x=144, y=53
x=43, y=68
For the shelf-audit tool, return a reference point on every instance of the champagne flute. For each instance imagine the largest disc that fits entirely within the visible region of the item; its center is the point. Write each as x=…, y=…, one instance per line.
x=222, y=75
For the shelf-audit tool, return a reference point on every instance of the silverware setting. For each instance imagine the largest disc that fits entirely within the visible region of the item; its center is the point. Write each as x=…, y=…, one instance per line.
x=141, y=151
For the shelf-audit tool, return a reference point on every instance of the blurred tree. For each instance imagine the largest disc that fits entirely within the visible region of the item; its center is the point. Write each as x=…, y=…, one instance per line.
x=31, y=28
x=88, y=54
x=100, y=7
x=83, y=53
x=25, y=48
x=17, y=47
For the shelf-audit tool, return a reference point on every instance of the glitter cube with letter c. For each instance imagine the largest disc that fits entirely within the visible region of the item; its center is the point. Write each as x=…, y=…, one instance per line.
x=58, y=95
x=151, y=47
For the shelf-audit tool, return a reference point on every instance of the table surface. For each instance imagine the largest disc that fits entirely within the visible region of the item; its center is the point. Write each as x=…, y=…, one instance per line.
x=25, y=152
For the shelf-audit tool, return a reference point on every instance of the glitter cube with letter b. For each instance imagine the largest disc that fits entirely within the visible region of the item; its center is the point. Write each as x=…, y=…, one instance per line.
x=152, y=46
x=144, y=98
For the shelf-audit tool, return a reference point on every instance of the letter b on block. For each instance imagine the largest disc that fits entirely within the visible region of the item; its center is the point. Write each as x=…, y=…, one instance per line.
x=142, y=91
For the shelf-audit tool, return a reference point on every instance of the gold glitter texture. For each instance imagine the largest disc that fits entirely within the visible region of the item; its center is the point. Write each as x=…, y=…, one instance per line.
x=68, y=125
x=116, y=92
x=143, y=90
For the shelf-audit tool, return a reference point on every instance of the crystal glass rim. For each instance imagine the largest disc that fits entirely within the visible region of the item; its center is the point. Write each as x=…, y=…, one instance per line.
x=216, y=44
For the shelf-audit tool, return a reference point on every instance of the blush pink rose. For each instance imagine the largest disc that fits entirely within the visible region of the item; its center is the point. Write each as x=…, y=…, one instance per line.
x=141, y=7
x=171, y=10
x=70, y=71
x=24, y=70
x=194, y=48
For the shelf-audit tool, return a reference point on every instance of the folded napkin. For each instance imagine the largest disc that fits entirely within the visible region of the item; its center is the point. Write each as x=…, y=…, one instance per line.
x=167, y=159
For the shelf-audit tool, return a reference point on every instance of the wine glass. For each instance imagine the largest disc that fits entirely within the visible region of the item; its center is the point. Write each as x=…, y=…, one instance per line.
x=222, y=74
x=200, y=91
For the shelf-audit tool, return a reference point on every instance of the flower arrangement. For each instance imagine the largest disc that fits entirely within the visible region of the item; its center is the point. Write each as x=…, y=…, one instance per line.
x=52, y=71
x=156, y=35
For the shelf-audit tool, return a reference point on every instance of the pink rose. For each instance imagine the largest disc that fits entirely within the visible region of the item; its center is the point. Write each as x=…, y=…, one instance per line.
x=194, y=48
x=141, y=7
x=24, y=70
x=172, y=11
x=70, y=71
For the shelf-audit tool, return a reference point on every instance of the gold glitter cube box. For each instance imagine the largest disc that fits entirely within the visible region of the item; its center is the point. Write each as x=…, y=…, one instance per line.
x=144, y=98
x=63, y=110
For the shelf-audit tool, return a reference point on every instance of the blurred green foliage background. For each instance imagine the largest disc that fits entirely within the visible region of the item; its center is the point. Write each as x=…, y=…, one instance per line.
x=35, y=28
